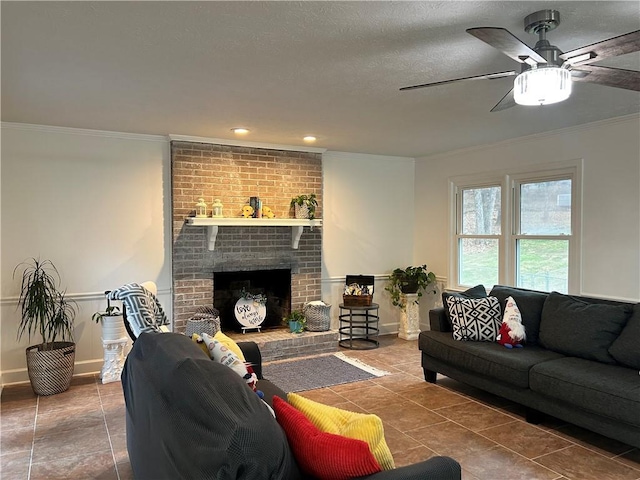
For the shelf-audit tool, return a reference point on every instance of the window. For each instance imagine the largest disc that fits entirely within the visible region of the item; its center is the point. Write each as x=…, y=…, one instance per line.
x=517, y=229
x=479, y=236
x=542, y=233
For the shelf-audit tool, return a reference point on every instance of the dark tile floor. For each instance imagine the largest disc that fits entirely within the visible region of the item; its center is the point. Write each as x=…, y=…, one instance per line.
x=80, y=434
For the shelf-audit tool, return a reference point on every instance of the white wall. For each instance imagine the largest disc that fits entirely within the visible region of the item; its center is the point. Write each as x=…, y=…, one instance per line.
x=94, y=203
x=368, y=224
x=610, y=250
x=97, y=205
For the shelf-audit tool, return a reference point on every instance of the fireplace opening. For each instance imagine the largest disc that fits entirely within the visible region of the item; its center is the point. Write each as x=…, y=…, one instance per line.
x=274, y=284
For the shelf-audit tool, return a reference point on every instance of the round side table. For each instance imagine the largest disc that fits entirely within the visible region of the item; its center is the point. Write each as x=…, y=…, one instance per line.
x=359, y=327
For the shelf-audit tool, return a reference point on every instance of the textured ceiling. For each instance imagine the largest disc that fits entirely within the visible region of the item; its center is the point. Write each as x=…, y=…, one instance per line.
x=286, y=69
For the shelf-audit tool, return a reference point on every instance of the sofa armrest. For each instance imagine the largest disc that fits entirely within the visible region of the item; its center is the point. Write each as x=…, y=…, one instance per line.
x=438, y=320
x=437, y=468
x=252, y=355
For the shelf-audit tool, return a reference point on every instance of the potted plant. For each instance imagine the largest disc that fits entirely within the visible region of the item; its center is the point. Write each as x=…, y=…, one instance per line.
x=47, y=311
x=304, y=206
x=112, y=322
x=409, y=280
x=296, y=321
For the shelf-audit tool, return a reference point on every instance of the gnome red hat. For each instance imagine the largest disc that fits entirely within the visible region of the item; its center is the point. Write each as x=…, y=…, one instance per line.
x=511, y=332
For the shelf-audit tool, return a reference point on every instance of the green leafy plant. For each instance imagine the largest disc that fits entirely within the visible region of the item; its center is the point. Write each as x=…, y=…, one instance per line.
x=44, y=308
x=110, y=311
x=306, y=200
x=409, y=280
x=296, y=316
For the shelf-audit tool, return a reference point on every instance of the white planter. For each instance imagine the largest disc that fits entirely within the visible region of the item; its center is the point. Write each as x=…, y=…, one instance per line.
x=113, y=328
x=114, y=343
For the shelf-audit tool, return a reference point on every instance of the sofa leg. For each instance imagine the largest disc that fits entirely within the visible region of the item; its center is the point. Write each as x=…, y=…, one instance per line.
x=534, y=416
x=430, y=376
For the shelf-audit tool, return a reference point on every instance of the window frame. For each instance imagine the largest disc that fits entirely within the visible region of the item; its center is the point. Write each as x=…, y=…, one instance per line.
x=510, y=182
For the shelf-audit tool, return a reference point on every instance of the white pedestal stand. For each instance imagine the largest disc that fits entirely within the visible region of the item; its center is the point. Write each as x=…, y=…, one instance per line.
x=114, y=343
x=410, y=318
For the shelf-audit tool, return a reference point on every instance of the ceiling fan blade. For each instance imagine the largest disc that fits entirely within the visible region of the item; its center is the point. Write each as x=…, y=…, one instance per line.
x=612, y=77
x=506, y=102
x=487, y=76
x=613, y=47
x=507, y=43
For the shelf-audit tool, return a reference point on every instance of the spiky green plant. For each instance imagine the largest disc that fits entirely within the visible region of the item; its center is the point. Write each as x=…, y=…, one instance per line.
x=44, y=308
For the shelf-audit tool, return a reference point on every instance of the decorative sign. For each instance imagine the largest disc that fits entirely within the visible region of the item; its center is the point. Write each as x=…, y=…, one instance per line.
x=250, y=313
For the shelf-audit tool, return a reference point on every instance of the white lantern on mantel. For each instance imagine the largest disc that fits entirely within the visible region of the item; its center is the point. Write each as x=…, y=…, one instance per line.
x=201, y=208
x=217, y=208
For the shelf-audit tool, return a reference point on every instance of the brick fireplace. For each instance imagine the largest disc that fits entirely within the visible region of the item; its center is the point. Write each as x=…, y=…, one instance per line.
x=233, y=174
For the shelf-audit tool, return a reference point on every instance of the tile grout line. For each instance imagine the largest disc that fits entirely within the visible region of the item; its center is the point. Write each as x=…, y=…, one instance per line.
x=496, y=444
x=106, y=426
x=33, y=440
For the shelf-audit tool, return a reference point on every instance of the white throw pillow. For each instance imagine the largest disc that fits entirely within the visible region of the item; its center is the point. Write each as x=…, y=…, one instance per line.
x=224, y=355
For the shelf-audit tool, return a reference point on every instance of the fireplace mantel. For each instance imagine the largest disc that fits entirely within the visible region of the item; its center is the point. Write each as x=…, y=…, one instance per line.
x=212, y=224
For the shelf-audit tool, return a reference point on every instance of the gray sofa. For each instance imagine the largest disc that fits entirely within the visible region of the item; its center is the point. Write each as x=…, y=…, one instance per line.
x=580, y=362
x=188, y=417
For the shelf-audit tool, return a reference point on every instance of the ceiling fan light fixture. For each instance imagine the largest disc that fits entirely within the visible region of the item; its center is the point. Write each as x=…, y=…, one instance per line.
x=542, y=86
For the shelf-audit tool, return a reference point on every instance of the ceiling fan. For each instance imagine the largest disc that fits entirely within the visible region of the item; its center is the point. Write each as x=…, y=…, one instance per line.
x=546, y=73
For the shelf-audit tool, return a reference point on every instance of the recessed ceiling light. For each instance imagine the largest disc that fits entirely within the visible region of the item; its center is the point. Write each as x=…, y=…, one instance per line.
x=240, y=130
x=309, y=138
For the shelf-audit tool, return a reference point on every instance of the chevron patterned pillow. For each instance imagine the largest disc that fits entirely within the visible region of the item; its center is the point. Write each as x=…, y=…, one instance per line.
x=475, y=319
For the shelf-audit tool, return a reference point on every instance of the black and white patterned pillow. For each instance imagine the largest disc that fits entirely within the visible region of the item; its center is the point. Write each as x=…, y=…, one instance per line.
x=475, y=319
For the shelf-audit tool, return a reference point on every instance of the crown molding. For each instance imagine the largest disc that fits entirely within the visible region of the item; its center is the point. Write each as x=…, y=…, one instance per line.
x=363, y=156
x=83, y=131
x=244, y=143
x=536, y=136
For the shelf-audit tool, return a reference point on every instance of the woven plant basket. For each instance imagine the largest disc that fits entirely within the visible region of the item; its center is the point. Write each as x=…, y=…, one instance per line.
x=202, y=323
x=301, y=211
x=318, y=317
x=50, y=371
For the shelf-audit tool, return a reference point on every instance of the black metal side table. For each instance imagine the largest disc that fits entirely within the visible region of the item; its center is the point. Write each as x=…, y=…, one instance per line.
x=359, y=327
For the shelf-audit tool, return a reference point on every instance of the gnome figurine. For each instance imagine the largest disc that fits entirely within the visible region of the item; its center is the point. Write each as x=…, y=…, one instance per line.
x=511, y=332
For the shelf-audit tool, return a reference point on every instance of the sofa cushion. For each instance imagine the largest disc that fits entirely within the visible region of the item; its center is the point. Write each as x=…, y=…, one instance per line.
x=474, y=319
x=490, y=359
x=530, y=304
x=625, y=348
x=176, y=397
x=474, y=292
x=323, y=455
x=579, y=328
x=607, y=390
x=361, y=426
